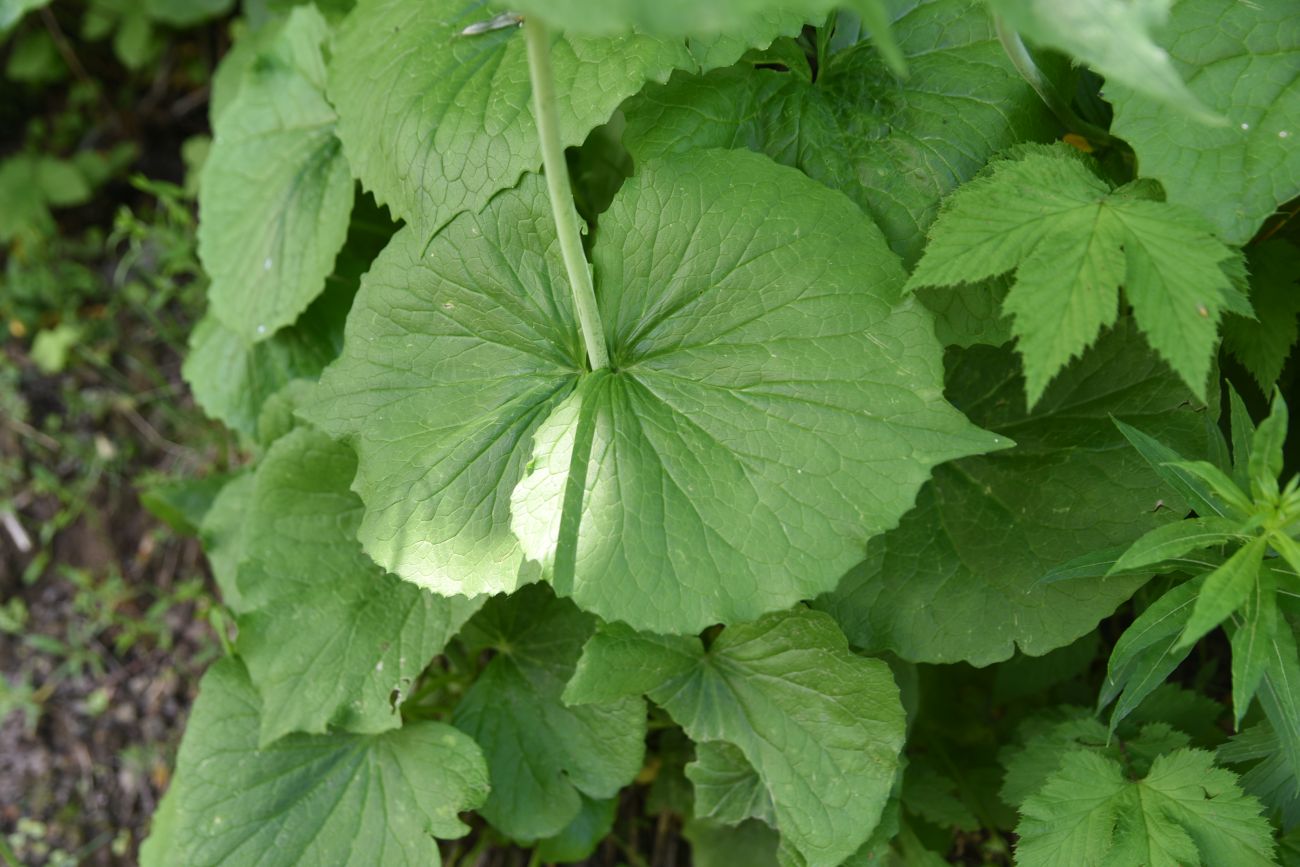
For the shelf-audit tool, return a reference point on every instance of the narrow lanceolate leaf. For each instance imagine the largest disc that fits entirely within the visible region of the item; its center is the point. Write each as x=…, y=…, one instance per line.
x=1175, y=540
x=455, y=124
x=544, y=758
x=1263, y=344
x=772, y=405
x=1185, y=811
x=821, y=727
x=1254, y=638
x=1148, y=651
x=348, y=800
x=1226, y=589
x=1073, y=242
x=1168, y=464
x=1239, y=59
x=895, y=146
x=276, y=192
x=960, y=577
x=1265, y=463
x=1114, y=38
x=1279, y=695
x=330, y=640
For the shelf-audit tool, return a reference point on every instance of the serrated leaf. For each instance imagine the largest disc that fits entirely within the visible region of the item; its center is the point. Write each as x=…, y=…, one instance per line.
x=330, y=641
x=1031, y=764
x=1239, y=59
x=276, y=193
x=821, y=727
x=1268, y=775
x=1264, y=344
x=1048, y=738
x=372, y=800
x=1178, y=539
x=932, y=794
x=727, y=788
x=1114, y=38
x=1185, y=811
x=455, y=124
x=544, y=757
x=1253, y=638
x=1225, y=590
x=960, y=577
x=895, y=147
x=1072, y=242
x=725, y=472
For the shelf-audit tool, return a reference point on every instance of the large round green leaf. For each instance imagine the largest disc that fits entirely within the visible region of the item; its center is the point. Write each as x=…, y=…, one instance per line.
x=346, y=800
x=1241, y=60
x=773, y=404
x=330, y=641
x=435, y=120
x=959, y=578
x=896, y=146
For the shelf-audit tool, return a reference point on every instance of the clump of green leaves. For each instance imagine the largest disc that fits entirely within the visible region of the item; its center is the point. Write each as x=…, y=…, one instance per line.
x=661, y=475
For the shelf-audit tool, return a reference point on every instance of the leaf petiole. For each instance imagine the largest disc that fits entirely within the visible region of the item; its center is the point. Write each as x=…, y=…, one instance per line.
x=557, y=185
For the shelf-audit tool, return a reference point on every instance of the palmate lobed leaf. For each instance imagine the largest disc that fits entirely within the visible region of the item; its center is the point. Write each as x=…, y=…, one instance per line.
x=1263, y=345
x=820, y=727
x=773, y=404
x=1184, y=811
x=1073, y=241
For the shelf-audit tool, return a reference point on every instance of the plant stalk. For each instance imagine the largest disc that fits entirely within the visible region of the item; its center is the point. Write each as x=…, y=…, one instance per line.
x=557, y=184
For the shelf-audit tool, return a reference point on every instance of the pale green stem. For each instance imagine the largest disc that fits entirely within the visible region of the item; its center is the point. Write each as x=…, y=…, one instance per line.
x=557, y=184
x=1024, y=63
